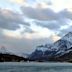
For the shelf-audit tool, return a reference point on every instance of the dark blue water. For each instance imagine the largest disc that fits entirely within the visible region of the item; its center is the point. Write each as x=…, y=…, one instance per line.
x=35, y=67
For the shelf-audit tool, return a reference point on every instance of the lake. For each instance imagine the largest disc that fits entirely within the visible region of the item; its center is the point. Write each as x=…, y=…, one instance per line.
x=35, y=67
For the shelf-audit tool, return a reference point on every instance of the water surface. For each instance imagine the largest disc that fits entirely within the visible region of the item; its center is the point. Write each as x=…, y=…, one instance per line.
x=35, y=67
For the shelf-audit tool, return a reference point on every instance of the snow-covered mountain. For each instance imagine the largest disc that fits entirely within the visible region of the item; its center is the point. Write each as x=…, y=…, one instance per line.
x=63, y=44
x=68, y=37
x=57, y=49
x=43, y=48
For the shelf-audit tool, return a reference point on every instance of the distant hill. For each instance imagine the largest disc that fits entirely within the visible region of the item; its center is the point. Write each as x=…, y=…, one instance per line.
x=11, y=58
x=6, y=56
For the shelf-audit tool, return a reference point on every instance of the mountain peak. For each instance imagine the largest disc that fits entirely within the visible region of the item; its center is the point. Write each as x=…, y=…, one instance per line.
x=68, y=37
x=68, y=34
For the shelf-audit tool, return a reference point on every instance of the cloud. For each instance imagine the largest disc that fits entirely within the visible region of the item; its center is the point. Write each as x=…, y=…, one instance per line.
x=13, y=25
x=46, y=13
x=46, y=17
x=44, y=27
x=32, y=3
x=39, y=13
x=65, y=29
x=10, y=20
x=52, y=25
x=55, y=37
x=18, y=33
x=53, y=16
x=65, y=14
x=21, y=2
x=41, y=5
x=33, y=32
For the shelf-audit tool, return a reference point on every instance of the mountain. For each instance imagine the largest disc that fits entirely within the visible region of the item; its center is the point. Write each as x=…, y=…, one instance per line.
x=68, y=37
x=61, y=50
x=63, y=44
x=39, y=53
x=43, y=53
x=64, y=41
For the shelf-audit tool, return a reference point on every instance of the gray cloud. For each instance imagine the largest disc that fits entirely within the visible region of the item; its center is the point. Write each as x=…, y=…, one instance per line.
x=29, y=30
x=45, y=13
x=39, y=13
x=53, y=25
x=10, y=20
x=47, y=17
x=65, y=14
x=65, y=31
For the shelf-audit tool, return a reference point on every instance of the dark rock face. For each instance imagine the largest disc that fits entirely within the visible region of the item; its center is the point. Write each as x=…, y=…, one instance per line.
x=11, y=58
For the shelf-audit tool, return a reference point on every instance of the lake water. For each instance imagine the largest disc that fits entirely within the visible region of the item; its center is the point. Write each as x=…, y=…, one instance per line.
x=35, y=67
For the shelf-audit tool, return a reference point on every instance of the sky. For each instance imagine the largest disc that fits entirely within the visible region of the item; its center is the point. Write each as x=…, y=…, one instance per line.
x=25, y=24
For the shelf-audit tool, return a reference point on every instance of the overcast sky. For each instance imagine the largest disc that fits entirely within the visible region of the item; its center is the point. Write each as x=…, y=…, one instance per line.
x=25, y=24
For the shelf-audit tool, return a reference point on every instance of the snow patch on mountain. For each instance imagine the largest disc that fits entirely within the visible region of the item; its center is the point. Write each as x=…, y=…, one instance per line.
x=44, y=48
